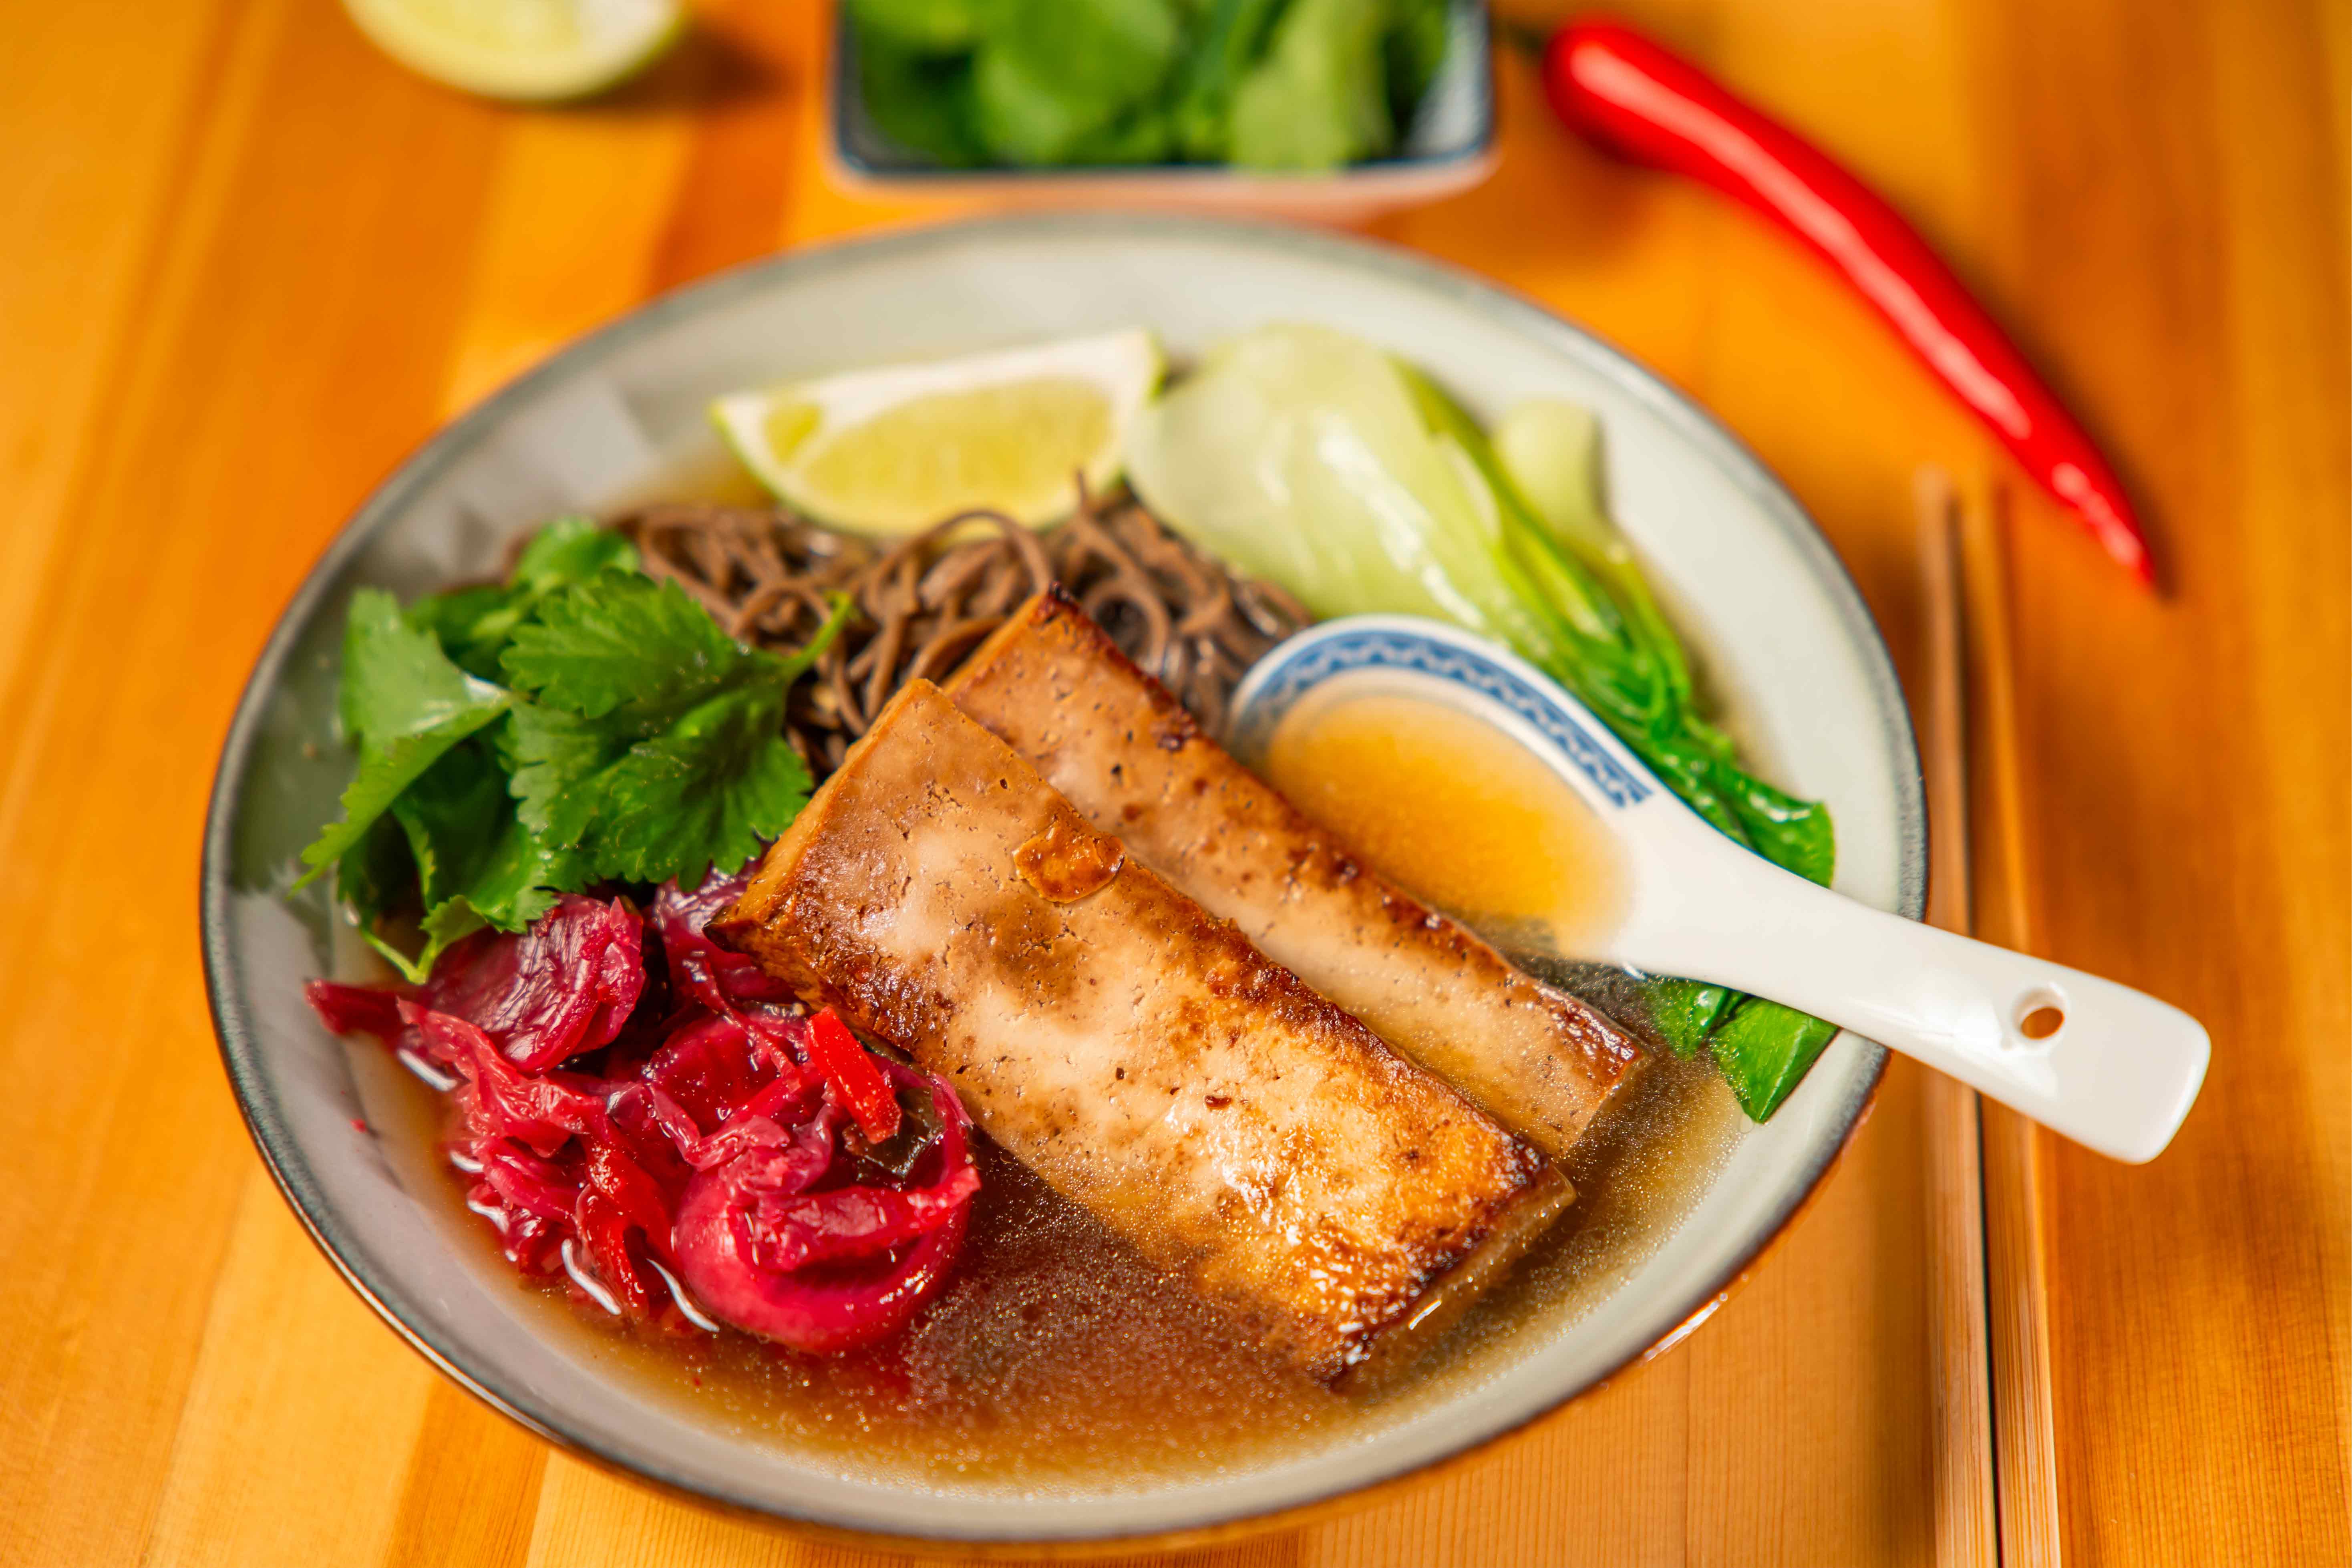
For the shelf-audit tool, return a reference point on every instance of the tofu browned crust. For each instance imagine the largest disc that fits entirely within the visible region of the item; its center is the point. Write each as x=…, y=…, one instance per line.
x=1140, y=1055
x=1051, y=684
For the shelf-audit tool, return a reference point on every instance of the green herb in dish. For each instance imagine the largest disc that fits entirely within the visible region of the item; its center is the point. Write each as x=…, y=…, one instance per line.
x=1316, y=460
x=921, y=101
x=1271, y=84
x=1049, y=76
x=1319, y=98
x=628, y=738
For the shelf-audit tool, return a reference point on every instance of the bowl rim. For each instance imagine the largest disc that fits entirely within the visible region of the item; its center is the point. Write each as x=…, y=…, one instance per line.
x=280, y=1153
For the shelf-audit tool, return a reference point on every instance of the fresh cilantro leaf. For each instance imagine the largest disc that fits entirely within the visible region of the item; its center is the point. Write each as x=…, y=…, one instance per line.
x=706, y=790
x=568, y=550
x=599, y=784
x=378, y=872
x=396, y=681
x=625, y=644
x=450, y=923
x=652, y=746
x=406, y=705
x=554, y=758
x=476, y=624
x=416, y=971
x=518, y=881
x=477, y=863
x=471, y=844
x=512, y=886
x=471, y=624
x=452, y=815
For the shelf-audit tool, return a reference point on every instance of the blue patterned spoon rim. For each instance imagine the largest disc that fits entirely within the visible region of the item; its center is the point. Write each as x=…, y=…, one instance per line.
x=1411, y=645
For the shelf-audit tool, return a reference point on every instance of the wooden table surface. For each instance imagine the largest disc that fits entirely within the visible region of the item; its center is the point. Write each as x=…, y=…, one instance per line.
x=250, y=264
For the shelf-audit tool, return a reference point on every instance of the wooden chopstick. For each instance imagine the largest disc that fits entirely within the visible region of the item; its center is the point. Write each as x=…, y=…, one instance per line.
x=2025, y=1455
x=1966, y=1520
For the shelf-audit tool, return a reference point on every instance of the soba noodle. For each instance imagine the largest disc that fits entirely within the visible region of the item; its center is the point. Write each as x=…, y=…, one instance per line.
x=928, y=600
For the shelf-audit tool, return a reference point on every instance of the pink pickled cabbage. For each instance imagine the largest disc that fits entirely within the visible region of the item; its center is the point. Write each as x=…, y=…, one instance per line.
x=564, y=987
x=699, y=967
x=824, y=1271
x=629, y=1120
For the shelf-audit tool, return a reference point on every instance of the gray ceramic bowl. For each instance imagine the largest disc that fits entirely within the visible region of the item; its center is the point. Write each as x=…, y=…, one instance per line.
x=1778, y=622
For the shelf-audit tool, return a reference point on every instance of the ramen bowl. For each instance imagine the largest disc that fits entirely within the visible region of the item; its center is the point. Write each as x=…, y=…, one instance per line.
x=1782, y=634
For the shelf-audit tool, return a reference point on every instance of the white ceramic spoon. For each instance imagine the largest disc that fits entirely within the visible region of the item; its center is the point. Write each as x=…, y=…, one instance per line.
x=2117, y=1072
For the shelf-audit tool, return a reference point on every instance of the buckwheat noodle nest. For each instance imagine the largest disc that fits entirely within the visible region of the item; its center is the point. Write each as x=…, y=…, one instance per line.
x=928, y=600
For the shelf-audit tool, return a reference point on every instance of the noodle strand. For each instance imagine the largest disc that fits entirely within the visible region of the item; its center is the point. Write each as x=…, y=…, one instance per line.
x=928, y=600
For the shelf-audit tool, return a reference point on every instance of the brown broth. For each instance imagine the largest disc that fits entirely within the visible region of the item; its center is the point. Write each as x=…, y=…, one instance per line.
x=1058, y=1360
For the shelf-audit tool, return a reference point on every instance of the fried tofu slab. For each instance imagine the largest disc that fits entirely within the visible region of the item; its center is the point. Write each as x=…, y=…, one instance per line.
x=1239, y=1130
x=1123, y=751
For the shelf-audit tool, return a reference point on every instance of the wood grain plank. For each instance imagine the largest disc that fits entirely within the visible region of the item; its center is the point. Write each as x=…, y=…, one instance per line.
x=207, y=487
x=470, y=1494
x=293, y=1456
x=575, y=223
x=1811, y=1405
x=1536, y=1497
x=2286, y=250
x=89, y=186
x=2166, y=802
x=590, y=1520
x=753, y=81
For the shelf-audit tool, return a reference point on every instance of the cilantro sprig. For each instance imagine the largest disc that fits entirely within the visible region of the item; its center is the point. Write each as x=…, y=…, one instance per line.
x=578, y=723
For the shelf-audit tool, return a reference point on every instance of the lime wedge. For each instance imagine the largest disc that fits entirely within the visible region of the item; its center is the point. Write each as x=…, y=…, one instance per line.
x=895, y=449
x=530, y=51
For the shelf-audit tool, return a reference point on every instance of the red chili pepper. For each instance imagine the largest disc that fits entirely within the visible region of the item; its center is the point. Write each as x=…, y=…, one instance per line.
x=1644, y=101
x=853, y=1076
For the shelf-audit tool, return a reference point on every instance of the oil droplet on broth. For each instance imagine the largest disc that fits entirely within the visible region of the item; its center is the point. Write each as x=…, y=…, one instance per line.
x=1452, y=810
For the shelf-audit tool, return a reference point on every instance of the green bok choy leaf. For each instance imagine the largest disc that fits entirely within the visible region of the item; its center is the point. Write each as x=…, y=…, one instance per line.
x=1319, y=461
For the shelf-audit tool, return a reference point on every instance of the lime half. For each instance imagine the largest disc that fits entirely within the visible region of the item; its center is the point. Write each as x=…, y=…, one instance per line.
x=895, y=449
x=529, y=50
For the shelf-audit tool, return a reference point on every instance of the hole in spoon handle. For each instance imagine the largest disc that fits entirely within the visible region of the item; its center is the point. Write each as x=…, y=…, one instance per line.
x=2039, y=1018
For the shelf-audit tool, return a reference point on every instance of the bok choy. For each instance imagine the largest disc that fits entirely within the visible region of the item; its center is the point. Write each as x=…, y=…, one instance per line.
x=1319, y=461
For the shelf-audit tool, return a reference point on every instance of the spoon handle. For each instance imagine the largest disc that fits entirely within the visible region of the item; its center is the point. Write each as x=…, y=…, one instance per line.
x=2105, y=1065
x=2111, y=1067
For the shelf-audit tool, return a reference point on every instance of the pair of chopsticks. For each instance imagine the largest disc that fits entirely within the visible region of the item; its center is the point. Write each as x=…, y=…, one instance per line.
x=1996, y=1491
